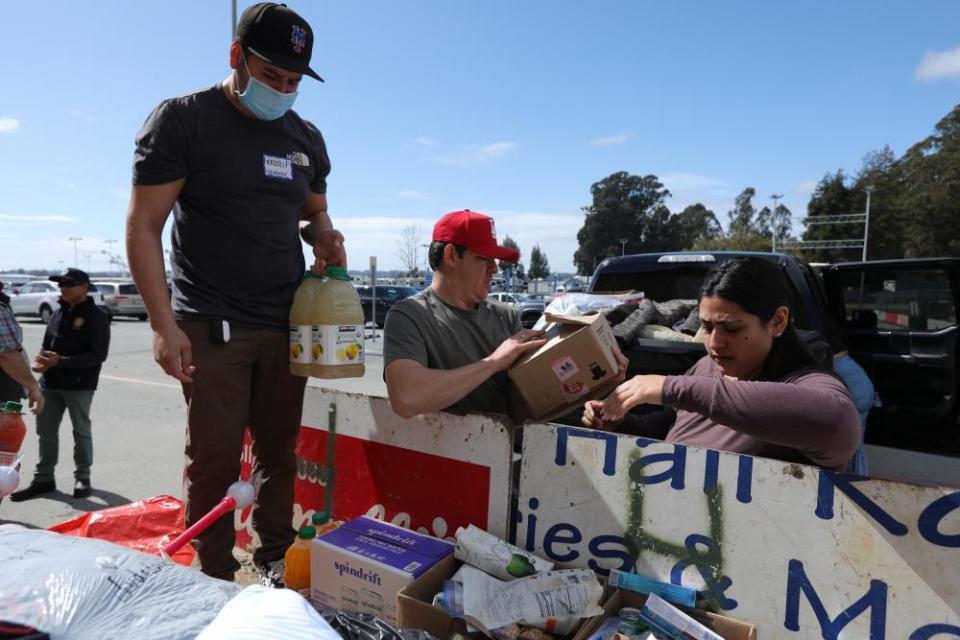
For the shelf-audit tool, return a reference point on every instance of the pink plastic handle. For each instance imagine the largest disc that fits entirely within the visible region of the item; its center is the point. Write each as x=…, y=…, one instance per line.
x=225, y=506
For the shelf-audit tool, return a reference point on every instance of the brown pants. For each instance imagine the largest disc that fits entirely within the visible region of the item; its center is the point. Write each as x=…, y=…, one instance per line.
x=244, y=383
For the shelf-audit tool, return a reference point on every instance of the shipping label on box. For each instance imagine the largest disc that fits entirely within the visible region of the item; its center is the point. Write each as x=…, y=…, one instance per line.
x=577, y=363
x=362, y=565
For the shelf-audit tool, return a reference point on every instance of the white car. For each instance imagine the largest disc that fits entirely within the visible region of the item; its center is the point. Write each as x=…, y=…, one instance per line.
x=122, y=299
x=504, y=297
x=41, y=298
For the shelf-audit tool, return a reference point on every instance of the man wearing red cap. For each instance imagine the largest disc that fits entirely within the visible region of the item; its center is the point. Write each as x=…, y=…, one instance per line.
x=448, y=348
x=246, y=178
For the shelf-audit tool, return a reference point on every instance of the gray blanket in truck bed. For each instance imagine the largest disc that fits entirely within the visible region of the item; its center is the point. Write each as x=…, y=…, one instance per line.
x=628, y=320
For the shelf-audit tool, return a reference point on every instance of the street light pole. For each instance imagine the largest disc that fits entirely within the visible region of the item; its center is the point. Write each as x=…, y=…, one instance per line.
x=110, y=244
x=773, y=220
x=623, y=246
x=866, y=223
x=75, y=240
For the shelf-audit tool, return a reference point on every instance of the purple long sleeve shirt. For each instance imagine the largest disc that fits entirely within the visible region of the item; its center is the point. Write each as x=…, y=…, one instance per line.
x=805, y=417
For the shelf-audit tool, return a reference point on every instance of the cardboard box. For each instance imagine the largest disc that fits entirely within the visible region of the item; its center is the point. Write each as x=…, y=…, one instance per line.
x=728, y=628
x=575, y=365
x=414, y=603
x=416, y=611
x=365, y=563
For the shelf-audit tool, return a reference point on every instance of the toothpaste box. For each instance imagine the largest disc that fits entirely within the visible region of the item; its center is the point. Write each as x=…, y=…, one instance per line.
x=363, y=564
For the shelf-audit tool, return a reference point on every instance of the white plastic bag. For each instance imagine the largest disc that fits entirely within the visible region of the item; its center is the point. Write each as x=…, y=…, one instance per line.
x=81, y=588
x=581, y=304
x=262, y=613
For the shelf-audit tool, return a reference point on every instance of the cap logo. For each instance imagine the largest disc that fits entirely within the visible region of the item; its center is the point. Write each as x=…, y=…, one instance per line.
x=298, y=38
x=493, y=231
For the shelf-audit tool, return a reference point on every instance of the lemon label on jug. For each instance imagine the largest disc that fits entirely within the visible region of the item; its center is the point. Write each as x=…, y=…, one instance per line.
x=301, y=343
x=316, y=342
x=341, y=344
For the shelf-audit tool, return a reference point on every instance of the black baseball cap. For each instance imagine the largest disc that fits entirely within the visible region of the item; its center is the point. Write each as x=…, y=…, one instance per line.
x=277, y=34
x=72, y=275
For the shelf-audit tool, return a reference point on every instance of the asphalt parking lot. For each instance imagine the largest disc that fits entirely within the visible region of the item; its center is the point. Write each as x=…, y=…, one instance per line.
x=138, y=420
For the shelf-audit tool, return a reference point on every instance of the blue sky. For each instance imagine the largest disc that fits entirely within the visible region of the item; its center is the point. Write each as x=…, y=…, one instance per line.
x=509, y=108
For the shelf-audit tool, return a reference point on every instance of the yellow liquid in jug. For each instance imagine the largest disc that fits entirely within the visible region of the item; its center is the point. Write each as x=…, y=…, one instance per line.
x=327, y=328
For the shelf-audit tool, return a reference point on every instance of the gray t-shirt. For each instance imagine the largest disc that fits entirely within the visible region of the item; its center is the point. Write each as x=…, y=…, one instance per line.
x=237, y=253
x=426, y=329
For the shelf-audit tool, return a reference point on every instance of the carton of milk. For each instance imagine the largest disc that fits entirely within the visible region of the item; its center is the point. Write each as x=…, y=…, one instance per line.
x=363, y=564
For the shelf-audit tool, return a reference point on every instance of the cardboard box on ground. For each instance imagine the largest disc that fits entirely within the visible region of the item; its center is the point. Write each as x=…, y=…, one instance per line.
x=365, y=563
x=727, y=628
x=575, y=365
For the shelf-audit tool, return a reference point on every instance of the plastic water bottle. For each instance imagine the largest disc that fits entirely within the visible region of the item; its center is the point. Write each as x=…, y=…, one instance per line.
x=296, y=573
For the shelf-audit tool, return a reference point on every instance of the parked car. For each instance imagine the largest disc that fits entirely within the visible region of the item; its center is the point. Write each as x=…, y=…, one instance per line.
x=899, y=319
x=530, y=308
x=387, y=295
x=504, y=297
x=41, y=298
x=122, y=299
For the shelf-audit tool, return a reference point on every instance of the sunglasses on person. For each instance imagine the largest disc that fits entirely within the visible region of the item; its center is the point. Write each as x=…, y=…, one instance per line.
x=68, y=285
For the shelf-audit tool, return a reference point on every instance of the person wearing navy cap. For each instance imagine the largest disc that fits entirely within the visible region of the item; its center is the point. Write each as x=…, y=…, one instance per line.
x=75, y=346
x=246, y=179
x=448, y=348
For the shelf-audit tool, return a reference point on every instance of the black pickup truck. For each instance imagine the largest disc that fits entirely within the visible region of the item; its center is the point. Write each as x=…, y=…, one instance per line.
x=899, y=317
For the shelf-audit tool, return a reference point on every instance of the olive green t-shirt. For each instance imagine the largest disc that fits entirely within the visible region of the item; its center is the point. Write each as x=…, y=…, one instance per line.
x=427, y=330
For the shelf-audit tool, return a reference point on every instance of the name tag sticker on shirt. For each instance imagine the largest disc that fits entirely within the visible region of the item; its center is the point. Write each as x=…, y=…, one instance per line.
x=277, y=167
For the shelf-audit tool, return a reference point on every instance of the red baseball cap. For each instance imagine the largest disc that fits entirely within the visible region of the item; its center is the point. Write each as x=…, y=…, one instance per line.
x=474, y=231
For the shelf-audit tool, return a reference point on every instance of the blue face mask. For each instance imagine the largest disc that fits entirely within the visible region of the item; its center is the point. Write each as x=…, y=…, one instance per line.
x=265, y=102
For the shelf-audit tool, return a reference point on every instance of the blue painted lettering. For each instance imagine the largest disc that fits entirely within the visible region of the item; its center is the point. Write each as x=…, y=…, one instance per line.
x=675, y=472
x=610, y=452
x=927, y=631
x=875, y=599
x=929, y=521
x=554, y=536
x=707, y=563
x=845, y=482
x=626, y=552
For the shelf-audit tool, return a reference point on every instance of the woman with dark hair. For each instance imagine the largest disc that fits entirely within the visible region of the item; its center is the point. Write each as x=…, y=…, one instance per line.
x=757, y=391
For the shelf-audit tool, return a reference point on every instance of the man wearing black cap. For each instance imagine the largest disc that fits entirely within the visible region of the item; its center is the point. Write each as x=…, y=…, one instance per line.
x=75, y=345
x=243, y=174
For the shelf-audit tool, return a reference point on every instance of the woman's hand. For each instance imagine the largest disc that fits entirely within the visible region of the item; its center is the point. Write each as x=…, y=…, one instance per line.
x=632, y=393
x=592, y=411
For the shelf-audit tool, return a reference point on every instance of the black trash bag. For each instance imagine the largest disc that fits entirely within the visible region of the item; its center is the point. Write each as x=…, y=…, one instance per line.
x=355, y=625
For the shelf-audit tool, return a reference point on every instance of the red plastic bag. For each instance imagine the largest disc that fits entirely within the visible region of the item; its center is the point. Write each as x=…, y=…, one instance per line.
x=146, y=526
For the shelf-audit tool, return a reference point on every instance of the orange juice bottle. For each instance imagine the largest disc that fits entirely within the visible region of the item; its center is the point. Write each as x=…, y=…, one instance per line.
x=304, y=325
x=296, y=573
x=323, y=523
x=338, y=349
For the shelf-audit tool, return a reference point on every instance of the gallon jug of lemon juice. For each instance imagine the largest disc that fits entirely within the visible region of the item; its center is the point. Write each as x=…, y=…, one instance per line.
x=326, y=327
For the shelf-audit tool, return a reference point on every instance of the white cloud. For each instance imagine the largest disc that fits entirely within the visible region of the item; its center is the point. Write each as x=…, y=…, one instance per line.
x=17, y=220
x=689, y=181
x=939, y=65
x=806, y=188
x=80, y=115
x=8, y=124
x=414, y=194
x=473, y=154
x=424, y=141
x=609, y=141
